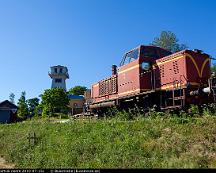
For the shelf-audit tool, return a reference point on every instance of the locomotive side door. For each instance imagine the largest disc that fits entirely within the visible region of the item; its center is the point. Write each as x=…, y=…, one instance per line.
x=148, y=55
x=146, y=76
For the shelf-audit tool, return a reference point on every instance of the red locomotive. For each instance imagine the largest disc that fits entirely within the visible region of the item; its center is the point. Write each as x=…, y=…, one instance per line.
x=150, y=76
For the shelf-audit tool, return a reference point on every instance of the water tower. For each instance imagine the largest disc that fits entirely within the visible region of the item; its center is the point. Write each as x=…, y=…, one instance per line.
x=58, y=75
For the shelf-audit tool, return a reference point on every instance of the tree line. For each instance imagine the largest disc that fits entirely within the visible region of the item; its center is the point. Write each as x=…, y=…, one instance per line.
x=52, y=101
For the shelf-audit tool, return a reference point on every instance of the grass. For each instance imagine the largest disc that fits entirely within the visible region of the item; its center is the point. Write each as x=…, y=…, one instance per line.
x=150, y=142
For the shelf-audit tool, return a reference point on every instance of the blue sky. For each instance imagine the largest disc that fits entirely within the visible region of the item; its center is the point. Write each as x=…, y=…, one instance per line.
x=88, y=36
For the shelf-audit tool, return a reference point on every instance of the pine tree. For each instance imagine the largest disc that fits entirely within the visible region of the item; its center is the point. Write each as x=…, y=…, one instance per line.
x=22, y=106
x=168, y=41
x=11, y=97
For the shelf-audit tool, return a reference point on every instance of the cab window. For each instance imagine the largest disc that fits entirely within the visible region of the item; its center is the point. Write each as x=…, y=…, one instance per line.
x=164, y=53
x=149, y=52
x=130, y=56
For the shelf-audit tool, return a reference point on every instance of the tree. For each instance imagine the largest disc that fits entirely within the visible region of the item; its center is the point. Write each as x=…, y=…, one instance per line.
x=32, y=105
x=213, y=68
x=54, y=100
x=77, y=90
x=12, y=97
x=22, y=106
x=168, y=41
x=38, y=110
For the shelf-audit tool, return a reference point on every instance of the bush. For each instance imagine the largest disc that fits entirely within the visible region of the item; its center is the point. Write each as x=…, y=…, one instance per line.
x=111, y=112
x=194, y=110
x=124, y=115
x=61, y=115
x=206, y=111
x=45, y=112
x=209, y=109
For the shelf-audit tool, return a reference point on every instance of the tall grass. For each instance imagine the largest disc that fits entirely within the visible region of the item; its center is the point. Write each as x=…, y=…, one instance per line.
x=157, y=141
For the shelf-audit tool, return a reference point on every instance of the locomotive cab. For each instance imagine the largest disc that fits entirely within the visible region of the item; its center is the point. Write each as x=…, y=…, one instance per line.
x=135, y=73
x=147, y=53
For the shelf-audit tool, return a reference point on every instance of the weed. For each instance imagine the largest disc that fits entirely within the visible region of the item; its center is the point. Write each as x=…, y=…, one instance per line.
x=194, y=110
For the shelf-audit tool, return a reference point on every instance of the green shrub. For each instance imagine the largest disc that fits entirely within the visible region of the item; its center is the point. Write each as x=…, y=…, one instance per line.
x=111, y=112
x=212, y=108
x=206, y=111
x=60, y=115
x=124, y=115
x=194, y=110
x=45, y=112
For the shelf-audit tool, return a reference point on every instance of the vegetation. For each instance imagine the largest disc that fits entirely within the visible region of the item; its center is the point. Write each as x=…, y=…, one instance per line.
x=54, y=100
x=123, y=141
x=32, y=105
x=22, y=106
x=12, y=97
x=168, y=41
x=213, y=68
x=77, y=90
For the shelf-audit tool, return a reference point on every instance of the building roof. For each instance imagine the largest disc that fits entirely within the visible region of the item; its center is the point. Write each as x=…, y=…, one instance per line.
x=60, y=66
x=75, y=97
x=7, y=104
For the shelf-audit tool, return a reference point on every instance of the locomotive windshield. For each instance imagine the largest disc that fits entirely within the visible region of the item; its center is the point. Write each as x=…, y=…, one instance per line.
x=148, y=52
x=130, y=56
x=144, y=52
x=164, y=52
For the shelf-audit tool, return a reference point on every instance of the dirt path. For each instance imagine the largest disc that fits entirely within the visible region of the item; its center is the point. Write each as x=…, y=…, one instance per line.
x=4, y=164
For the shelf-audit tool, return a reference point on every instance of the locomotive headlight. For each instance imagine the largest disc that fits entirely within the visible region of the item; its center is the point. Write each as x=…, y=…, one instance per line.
x=145, y=66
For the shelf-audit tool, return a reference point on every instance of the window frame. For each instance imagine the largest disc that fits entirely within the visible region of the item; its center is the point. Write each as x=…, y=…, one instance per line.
x=143, y=48
x=58, y=80
x=55, y=70
x=124, y=60
x=60, y=70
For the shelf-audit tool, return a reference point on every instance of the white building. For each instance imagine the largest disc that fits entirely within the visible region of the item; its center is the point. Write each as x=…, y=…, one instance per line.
x=58, y=75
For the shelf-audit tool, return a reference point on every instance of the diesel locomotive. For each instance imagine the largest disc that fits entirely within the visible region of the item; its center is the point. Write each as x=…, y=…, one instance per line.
x=149, y=76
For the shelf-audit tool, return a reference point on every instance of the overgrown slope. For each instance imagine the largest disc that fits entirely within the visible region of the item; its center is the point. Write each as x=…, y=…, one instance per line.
x=154, y=142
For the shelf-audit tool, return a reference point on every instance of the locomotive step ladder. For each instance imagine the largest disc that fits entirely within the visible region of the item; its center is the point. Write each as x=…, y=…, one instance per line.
x=175, y=98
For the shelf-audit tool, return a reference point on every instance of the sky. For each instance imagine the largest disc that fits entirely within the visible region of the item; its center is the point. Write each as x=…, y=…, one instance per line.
x=88, y=36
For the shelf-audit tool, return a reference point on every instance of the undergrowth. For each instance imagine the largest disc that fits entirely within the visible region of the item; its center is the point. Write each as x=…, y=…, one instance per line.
x=122, y=139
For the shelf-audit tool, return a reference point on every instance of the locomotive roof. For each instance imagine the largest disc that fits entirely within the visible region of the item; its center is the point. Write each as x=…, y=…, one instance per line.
x=141, y=45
